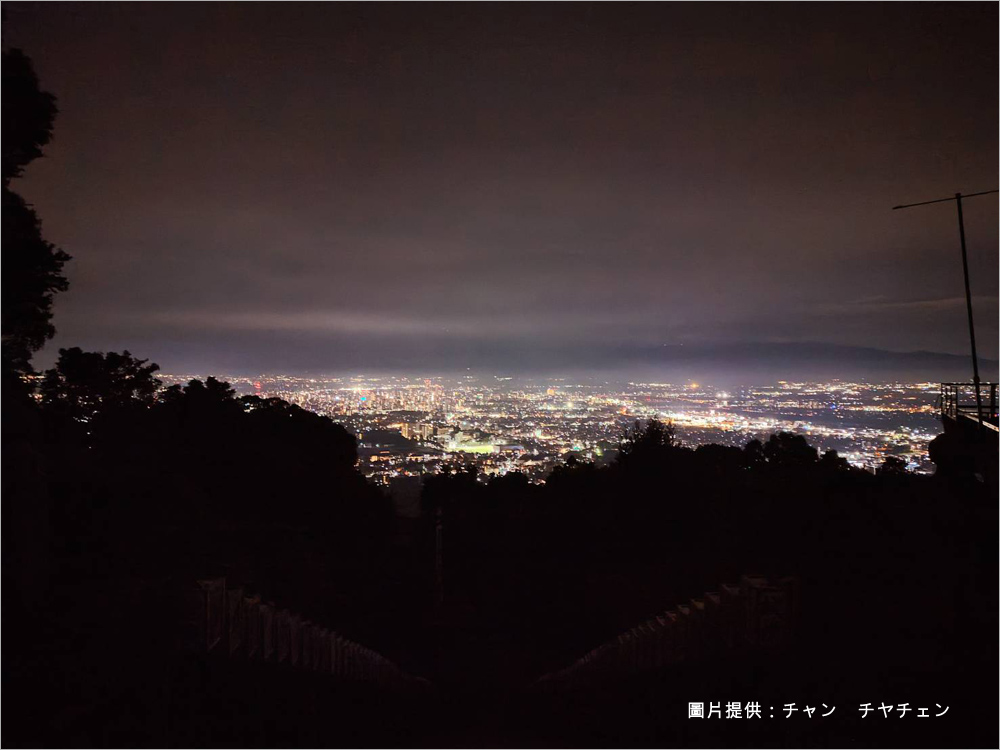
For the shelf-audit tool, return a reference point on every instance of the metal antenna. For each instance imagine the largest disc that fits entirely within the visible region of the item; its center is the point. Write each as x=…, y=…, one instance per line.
x=968, y=294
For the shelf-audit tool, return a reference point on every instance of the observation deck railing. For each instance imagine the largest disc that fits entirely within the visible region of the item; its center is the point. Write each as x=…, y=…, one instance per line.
x=960, y=402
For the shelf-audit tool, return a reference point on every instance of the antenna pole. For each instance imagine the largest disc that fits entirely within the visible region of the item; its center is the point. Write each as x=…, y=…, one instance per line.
x=968, y=307
x=968, y=293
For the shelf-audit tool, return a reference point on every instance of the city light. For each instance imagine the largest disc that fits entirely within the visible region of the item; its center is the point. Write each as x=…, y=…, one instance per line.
x=417, y=426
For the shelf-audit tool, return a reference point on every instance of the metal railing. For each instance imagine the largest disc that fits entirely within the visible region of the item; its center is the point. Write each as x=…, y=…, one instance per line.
x=969, y=401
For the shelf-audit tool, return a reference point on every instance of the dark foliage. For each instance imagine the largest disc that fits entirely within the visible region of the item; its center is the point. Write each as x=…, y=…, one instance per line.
x=88, y=386
x=28, y=114
x=788, y=449
x=648, y=444
x=882, y=559
x=892, y=466
x=199, y=482
x=116, y=499
x=32, y=266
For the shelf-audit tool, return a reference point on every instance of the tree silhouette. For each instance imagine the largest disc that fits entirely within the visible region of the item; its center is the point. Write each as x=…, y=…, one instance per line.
x=87, y=385
x=647, y=444
x=753, y=453
x=32, y=266
x=210, y=414
x=28, y=114
x=893, y=466
x=712, y=459
x=210, y=395
x=789, y=449
x=833, y=460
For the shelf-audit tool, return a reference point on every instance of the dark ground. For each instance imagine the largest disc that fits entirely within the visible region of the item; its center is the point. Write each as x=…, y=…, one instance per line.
x=898, y=581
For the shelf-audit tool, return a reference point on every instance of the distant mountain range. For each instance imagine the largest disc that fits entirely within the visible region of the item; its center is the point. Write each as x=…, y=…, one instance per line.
x=782, y=361
x=723, y=364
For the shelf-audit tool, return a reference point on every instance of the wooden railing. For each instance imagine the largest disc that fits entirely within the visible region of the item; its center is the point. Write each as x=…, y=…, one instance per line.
x=751, y=614
x=238, y=625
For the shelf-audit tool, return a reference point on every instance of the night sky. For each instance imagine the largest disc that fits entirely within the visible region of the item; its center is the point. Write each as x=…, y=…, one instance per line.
x=337, y=188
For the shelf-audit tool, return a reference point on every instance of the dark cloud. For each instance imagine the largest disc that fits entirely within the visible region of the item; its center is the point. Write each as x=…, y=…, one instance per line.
x=288, y=187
